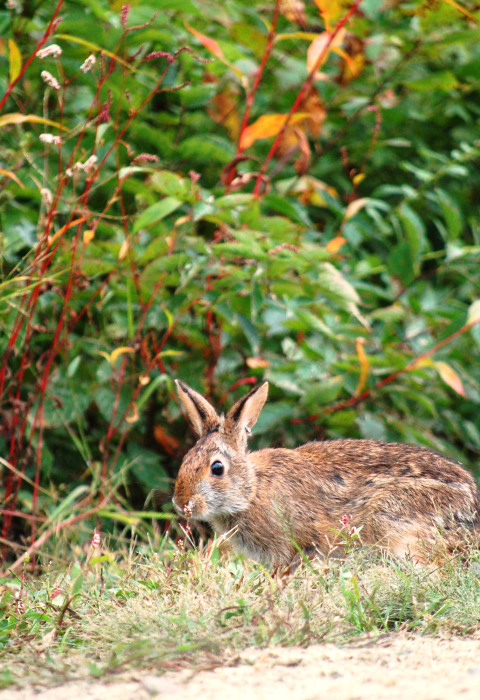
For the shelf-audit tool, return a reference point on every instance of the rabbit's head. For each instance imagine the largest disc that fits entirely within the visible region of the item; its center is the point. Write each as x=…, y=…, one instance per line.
x=215, y=477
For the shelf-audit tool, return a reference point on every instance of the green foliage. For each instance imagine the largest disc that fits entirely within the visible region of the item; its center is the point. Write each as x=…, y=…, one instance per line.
x=210, y=284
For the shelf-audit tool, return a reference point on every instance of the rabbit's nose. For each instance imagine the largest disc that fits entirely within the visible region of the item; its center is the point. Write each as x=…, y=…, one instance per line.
x=177, y=505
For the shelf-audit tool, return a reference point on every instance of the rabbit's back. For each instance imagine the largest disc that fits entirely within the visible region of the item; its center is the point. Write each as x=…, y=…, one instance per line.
x=400, y=494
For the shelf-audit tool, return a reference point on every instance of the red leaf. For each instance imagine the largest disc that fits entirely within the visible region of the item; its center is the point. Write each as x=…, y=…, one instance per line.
x=209, y=44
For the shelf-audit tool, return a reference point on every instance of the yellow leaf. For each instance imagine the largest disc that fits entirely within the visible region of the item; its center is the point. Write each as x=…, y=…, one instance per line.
x=306, y=36
x=349, y=60
x=355, y=206
x=320, y=47
x=461, y=9
x=123, y=249
x=65, y=228
x=335, y=244
x=169, y=316
x=117, y=352
x=266, y=126
x=12, y=176
x=364, y=366
x=358, y=178
x=95, y=47
x=17, y=118
x=331, y=10
x=15, y=60
x=88, y=235
x=474, y=313
x=450, y=377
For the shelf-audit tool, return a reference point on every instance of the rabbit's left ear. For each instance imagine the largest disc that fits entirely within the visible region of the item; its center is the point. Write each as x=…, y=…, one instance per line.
x=202, y=415
x=243, y=415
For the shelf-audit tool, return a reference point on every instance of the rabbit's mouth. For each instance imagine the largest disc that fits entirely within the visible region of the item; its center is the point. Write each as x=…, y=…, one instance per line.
x=189, y=510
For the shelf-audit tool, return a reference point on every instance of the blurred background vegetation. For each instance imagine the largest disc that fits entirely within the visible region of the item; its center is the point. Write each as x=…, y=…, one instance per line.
x=358, y=252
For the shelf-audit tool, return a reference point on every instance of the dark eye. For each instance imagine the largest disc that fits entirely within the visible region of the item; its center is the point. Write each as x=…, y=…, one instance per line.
x=217, y=469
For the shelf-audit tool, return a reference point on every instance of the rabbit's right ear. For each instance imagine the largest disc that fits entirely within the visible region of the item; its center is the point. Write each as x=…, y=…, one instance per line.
x=202, y=415
x=243, y=415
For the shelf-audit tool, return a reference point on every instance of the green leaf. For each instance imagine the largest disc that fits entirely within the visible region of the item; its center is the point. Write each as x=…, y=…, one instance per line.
x=400, y=263
x=171, y=184
x=451, y=213
x=156, y=212
x=443, y=81
x=319, y=394
x=414, y=231
x=292, y=210
x=146, y=467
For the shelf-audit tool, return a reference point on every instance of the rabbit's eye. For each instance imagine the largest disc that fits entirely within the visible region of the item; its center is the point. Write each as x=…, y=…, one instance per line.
x=217, y=469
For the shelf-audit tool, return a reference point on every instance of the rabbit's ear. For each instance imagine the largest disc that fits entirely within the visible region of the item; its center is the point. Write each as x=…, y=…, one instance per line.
x=202, y=415
x=243, y=415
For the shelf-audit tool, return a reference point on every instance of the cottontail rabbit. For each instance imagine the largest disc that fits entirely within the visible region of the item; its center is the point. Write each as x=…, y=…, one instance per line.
x=402, y=496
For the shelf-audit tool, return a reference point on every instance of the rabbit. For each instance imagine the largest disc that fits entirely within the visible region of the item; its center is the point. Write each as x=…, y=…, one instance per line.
x=275, y=502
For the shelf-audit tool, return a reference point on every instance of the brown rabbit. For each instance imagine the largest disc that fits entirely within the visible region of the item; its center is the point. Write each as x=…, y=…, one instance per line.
x=402, y=496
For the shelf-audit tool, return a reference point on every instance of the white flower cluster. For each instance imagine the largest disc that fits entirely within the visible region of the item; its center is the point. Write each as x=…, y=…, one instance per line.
x=46, y=195
x=50, y=80
x=86, y=167
x=50, y=138
x=88, y=63
x=52, y=50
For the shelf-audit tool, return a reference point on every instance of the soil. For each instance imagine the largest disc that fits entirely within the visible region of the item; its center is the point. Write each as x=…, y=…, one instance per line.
x=395, y=667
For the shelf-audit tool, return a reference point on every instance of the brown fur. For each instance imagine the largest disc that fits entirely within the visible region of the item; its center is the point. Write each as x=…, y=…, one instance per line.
x=403, y=496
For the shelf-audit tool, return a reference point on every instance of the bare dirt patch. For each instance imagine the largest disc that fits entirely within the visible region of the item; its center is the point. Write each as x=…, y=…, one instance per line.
x=394, y=668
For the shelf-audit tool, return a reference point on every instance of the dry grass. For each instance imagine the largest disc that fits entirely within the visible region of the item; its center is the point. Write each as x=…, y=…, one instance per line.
x=175, y=608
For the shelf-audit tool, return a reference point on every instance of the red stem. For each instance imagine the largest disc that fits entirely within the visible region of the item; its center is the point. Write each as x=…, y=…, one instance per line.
x=303, y=90
x=256, y=83
x=30, y=59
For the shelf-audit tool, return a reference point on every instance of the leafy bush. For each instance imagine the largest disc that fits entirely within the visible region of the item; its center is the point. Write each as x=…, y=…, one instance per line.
x=160, y=218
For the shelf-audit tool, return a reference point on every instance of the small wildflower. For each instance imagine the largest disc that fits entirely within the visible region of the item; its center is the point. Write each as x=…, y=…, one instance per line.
x=88, y=63
x=146, y=156
x=52, y=50
x=56, y=23
x=188, y=511
x=180, y=545
x=46, y=195
x=50, y=80
x=87, y=166
x=90, y=163
x=159, y=54
x=50, y=138
x=55, y=592
x=96, y=540
x=353, y=531
x=194, y=177
x=69, y=172
x=345, y=518
x=104, y=115
x=124, y=15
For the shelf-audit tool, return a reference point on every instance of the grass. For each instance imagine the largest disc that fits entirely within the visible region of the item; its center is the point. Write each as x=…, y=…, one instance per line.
x=113, y=611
